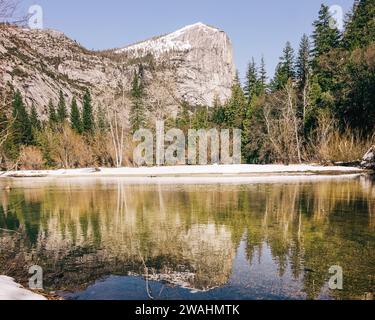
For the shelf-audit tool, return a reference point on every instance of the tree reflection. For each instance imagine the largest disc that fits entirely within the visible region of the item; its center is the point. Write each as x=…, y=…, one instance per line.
x=79, y=231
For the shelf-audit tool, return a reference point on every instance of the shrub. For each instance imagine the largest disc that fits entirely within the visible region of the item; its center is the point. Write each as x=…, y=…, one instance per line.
x=31, y=158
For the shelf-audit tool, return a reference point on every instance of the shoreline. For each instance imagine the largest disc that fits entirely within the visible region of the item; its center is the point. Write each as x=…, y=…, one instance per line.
x=11, y=290
x=188, y=171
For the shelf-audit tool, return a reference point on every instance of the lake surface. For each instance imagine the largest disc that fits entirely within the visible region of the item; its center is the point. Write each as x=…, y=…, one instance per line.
x=253, y=238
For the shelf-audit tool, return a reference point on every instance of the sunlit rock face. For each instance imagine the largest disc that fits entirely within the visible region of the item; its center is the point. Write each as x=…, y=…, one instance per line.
x=194, y=63
x=202, y=56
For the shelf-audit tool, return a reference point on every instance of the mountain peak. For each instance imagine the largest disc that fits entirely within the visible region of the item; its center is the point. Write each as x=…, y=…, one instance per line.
x=179, y=40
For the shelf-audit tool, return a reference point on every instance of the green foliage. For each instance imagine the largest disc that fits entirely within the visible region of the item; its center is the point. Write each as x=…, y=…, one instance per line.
x=137, y=112
x=262, y=76
x=218, y=117
x=101, y=119
x=303, y=61
x=354, y=94
x=236, y=107
x=21, y=128
x=62, y=113
x=87, y=114
x=75, y=117
x=183, y=120
x=252, y=84
x=360, y=27
x=325, y=35
x=34, y=119
x=52, y=114
x=201, y=118
x=285, y=69
x=329, y=76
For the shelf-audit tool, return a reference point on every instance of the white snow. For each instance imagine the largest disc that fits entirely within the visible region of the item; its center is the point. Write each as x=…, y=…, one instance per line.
x=188, y=171
x=169, y=42
x=10, y=290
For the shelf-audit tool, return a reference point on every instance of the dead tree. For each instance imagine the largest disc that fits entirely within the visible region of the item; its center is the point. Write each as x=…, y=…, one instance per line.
x=9, y=14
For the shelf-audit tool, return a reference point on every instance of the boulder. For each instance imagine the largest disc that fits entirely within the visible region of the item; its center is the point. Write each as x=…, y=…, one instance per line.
x=368, y=161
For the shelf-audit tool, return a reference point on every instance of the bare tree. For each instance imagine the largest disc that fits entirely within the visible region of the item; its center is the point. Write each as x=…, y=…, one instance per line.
x=283, y=125
x=7, y=9
x=117, y=135
x=5, y=125
x=8, y=12
x=4, y=133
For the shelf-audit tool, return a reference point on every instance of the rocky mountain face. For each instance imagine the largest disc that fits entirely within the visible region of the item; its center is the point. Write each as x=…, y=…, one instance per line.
x=194, y=64
x=203, y=57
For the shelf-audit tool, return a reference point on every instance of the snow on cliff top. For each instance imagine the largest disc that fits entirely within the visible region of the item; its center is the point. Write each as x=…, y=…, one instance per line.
x=169, y=42
x=10, y=290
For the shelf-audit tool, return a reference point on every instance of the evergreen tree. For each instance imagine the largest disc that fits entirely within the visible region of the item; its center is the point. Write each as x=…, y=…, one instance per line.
x=251, y=85
x=201, y=118
x=183, y=117
x=137, y=112
x=236, y=107
x=303, y=61
x=9, y=148
x=360, y=27
x=52, y=115
x=34, y=119
x=21, y=121
x=75, y=117
x=62, y=113
x=285, y=69
x=325, y=35
x=218, y=112
x=263, y=75
x=101, y=119
x=87, y=114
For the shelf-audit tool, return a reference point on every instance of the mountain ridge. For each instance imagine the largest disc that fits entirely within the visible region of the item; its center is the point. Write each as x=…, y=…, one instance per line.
x=40, y=63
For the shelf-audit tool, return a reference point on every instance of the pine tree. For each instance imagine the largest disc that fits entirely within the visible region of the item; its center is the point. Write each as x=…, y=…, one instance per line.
x=218, y=112
x=52, y=115
x=263, y=75
x=251, y=86
x=285, y=69
x=303, y=61
x=101, y=119
x=75, y=117
x=325, y=35
x=62, y=113
x=183, y=117
x=236, y=107
x=87, y=114
x=34, y=119
x=287, y=61
x=21, y=121
x=137, y=112
x=360, y=27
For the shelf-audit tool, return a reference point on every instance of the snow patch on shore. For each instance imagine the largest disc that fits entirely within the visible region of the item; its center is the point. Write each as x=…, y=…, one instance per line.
x=187, y=171
x=10, y=290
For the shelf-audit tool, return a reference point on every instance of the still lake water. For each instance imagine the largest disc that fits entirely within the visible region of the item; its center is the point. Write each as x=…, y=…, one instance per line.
x=257, y=238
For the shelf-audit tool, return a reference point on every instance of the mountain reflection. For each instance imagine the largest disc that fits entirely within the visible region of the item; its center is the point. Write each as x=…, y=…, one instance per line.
x=202, y=236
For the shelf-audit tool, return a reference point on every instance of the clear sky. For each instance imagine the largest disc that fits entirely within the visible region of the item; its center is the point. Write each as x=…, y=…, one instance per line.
x=255, y=27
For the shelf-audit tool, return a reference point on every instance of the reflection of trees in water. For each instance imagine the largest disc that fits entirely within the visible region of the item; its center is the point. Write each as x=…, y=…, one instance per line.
x=82, y=232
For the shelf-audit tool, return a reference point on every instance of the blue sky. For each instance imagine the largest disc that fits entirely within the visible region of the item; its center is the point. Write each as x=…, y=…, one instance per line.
x=255, y=27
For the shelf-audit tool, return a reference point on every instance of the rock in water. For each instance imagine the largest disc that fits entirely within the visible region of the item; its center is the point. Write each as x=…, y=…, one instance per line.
x=369, y=159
